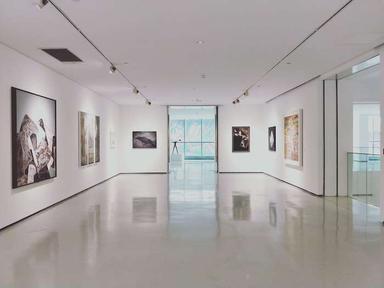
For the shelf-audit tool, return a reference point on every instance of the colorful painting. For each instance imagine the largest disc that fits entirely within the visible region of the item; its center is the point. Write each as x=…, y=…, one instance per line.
x=293, y=139
x=34, y=156
x=89, y=138
x=241, y=139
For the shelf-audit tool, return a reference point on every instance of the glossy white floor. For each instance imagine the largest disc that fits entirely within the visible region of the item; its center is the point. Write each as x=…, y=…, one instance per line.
x=194, y=228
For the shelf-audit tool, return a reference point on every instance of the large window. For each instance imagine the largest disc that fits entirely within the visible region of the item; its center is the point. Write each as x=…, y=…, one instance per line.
x=192, y=132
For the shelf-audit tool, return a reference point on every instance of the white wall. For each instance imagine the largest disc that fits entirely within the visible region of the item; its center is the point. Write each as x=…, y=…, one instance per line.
x=143, y=118
x=308, y=98
x=240, y=115
x=18, y=71
x=330, y=138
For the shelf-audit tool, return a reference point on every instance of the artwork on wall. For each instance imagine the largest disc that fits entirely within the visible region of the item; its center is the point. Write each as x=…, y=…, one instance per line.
x=293, y=140
x=272, y=138
x=112, y=140
x=240, y=139
x=34, y=157
x=89, y=138
x=144, y=139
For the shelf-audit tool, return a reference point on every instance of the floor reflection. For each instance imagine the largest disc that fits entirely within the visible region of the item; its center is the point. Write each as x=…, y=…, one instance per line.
x=198, y=228
x=144, y=210
x=241, y=206
x=38, y=264
x=272, y=214
x=192, y=201
x=90, y=230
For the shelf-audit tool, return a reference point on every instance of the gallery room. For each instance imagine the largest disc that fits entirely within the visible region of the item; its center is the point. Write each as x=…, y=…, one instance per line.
x=191, y=143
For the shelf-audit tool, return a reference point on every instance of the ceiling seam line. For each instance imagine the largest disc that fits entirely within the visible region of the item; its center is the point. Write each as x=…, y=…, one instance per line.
x=296, y=47
x=93, y=45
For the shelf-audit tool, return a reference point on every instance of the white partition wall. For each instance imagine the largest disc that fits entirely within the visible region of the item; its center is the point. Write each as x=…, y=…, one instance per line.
x=240, y=115
x=308, y=98
x=143, y=118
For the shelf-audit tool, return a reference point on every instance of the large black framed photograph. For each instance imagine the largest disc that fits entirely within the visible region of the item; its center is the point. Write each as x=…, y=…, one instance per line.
x=144, y=139
x=241, y=139
x=34, y=142
x=272, y=138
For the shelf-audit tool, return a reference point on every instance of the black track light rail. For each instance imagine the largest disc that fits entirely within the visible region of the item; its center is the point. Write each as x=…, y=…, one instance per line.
x=295, y=48
x=94, y=46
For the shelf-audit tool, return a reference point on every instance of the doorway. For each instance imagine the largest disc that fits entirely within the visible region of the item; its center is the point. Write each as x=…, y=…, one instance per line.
x=192, y=137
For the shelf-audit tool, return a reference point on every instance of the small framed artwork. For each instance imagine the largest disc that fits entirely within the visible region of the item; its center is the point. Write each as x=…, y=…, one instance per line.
x=144, y=139
x=241, y=138
x=112, y=140
x=34, y=155
x=272, y=138
x=293, y=138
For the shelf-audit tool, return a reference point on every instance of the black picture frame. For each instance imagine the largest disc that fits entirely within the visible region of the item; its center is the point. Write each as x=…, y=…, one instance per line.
x=15, y=142
x=241, y=138
x=272, y=138
x=141, y=139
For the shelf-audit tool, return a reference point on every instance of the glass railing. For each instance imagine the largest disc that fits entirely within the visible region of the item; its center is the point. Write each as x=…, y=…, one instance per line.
x=198, y=150
x=364, y=177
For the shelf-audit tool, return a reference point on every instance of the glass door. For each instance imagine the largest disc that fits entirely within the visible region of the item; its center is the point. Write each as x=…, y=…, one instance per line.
x=192, y=133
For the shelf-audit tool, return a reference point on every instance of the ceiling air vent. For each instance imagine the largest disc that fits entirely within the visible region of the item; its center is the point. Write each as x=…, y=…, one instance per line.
x=63, y=55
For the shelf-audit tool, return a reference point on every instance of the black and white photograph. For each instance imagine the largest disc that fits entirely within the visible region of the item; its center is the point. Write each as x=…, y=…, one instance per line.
x=272, y=138
x=89, y=138
x=144, y=139
x=240, y=139
x=33, y=138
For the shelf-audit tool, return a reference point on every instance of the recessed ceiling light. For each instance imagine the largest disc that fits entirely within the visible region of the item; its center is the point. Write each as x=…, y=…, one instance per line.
x=112, y=69
x=40, y=5
x=200, y=42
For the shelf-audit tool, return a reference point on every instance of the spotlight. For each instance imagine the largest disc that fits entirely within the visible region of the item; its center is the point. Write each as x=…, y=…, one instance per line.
x=148, y=102
x=246, y=93
x=112, y=69
x=234, y=102
x=237, y=100
x=135, y=91
x=41, y=4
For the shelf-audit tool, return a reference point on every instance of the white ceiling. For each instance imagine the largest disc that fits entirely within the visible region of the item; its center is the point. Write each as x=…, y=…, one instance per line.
x=154, y=44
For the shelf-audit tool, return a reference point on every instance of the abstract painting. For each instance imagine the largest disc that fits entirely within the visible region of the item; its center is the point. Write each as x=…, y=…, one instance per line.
x=240, y=139
x=293, y=139
x=144, y=139
x=272, y=138
x=89, y=138
x=34, y=157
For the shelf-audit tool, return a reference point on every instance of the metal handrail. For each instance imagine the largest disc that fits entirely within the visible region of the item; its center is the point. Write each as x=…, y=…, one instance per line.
x=360, y=153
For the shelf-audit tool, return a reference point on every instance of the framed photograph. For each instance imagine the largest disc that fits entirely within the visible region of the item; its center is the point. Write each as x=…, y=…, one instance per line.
x=293, y=138
x=272, y=138
x=241, y=139
x=144, y=139
x=112, y=140
x=89, y=138
x=34, y=155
